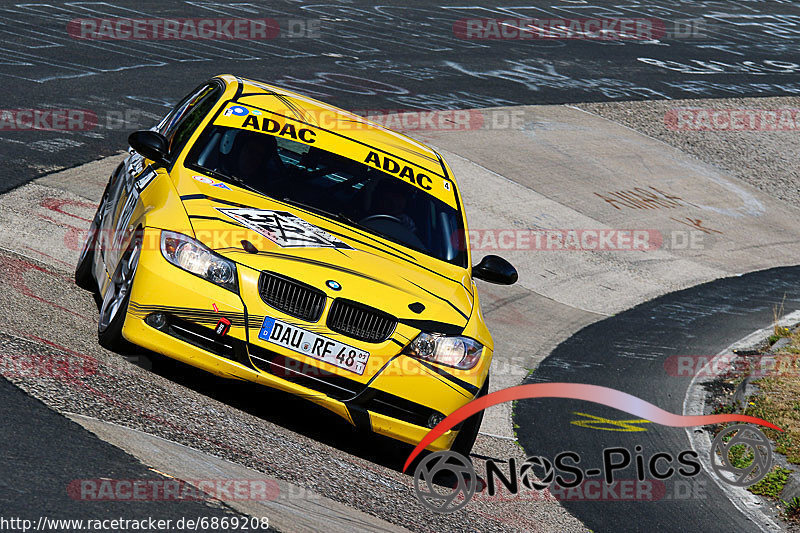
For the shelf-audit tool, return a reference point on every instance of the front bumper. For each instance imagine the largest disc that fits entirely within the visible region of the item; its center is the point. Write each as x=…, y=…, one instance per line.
x=398, y=401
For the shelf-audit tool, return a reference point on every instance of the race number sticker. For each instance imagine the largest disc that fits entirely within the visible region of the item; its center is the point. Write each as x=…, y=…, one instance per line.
x=283, y=228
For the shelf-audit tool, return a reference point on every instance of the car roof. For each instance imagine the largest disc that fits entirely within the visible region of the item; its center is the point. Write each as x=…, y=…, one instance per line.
x=321, y=115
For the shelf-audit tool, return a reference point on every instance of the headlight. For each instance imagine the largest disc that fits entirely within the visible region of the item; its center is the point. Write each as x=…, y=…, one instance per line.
x=193, y=256
x=458, y=352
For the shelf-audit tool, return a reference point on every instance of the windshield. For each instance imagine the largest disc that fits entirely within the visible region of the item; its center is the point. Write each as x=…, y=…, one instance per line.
x=333, y=186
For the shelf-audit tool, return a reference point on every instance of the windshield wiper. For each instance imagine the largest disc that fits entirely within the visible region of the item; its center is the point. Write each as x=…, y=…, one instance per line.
x=225, y=177
x=236, y=180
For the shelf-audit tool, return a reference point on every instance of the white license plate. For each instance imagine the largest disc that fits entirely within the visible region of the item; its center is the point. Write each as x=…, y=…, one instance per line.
x=308, y=343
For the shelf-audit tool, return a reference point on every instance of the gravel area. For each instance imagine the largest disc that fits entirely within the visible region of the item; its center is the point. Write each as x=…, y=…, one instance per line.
x=767, y=160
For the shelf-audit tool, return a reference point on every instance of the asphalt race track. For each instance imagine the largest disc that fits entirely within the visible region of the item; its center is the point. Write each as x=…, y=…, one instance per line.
x=46, y=452
x=611, y=317
x=361, y=56
x=631, y=352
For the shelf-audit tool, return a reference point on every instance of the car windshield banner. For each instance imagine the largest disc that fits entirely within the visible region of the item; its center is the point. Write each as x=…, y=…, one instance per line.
x=236, y=115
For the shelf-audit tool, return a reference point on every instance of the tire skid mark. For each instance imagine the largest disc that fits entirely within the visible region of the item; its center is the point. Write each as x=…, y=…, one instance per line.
x=12, y=271
x=58, y=204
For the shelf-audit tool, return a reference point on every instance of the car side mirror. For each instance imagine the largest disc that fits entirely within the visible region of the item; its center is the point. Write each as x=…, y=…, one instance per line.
x=495, y=269
x=150, y=144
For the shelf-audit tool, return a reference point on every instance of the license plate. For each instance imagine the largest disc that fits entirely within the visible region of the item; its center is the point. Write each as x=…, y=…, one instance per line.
x=308, y=343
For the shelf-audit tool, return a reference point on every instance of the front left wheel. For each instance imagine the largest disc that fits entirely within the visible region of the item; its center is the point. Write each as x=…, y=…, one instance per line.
x=84, y=274
x=117, y=296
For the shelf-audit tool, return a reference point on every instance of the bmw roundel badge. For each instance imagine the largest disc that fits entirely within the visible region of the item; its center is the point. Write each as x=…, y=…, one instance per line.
x=333, y=285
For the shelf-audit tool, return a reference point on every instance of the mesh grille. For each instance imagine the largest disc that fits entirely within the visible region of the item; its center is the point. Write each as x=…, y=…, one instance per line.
x=291, y=296
x=359, y=321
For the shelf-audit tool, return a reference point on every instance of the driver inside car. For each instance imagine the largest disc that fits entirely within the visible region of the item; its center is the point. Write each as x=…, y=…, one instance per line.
x=388, y=198
x=257, y=160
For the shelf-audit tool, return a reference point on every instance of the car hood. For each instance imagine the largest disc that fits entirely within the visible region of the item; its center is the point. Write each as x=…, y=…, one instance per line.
x=325, y=253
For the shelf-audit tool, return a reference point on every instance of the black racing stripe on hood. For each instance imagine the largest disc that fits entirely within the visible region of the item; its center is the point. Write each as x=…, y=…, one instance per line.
x=448, y=302
x=433, y=326
x=212, y=199
x=472, y=389
x=243, y=250
x=291, y=206
x=377, y=245
x=231, y=222
x=411, y=261
x=338, y=234
x=328, y=265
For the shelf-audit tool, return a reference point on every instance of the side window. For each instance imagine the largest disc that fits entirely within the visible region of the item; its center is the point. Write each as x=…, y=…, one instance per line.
x=180, y=124
x=168, y=123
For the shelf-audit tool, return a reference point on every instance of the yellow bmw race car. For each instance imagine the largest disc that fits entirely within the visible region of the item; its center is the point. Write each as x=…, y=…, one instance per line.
x=265, y=236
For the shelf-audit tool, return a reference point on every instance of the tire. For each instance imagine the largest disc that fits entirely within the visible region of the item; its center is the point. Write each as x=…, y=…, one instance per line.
x=84, y=271
x=466, y=437
x=114, y=307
